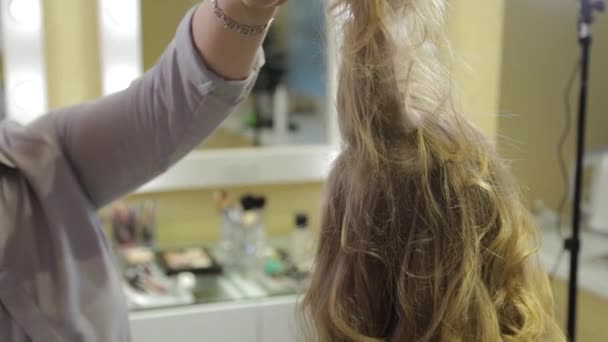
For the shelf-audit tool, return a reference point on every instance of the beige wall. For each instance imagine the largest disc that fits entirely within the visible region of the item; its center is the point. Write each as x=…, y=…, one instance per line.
x=475, y=29
x=190, y=216
x=159, y=20
x=540, y=51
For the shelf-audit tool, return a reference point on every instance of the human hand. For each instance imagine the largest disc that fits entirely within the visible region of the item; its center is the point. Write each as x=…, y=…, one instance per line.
x=227, y=52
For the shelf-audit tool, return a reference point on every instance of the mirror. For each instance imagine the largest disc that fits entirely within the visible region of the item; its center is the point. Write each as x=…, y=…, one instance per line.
x=2, y=80
x=288, y=103
x=285, y=132
x=23, y=90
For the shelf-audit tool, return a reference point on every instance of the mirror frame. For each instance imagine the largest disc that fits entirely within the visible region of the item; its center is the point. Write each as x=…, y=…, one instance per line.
x=223, y=167
x=25, y=84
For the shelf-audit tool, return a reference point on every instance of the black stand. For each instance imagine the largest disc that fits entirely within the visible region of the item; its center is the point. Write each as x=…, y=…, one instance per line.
x=573, y=243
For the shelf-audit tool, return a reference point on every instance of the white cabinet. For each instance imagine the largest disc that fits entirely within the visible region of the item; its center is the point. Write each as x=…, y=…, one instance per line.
x=265, y=320
x=278, y=321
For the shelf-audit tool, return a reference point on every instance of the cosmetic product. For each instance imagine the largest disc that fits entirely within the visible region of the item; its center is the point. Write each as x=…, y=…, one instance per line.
x=251, y=231
x=302, y=244
x=196, y=260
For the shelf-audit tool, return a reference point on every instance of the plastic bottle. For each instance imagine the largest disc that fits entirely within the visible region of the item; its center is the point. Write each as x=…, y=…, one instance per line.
x=229, y=215
x=252, y=233
x=302, y=243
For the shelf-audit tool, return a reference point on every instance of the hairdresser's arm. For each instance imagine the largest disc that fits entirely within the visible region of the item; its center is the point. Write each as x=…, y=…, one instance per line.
x=117, y=143
x=227, y=52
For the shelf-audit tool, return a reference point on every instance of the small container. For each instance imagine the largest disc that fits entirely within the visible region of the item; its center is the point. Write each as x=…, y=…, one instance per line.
x=242, y=237
x=124, y=225
x=227, y=235
x=302, y=243
x=197, y=260
x=147, y=223
x=252, y=233
x=134, y=225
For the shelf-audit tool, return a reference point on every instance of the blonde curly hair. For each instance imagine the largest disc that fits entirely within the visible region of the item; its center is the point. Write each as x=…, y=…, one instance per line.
x=424, y=236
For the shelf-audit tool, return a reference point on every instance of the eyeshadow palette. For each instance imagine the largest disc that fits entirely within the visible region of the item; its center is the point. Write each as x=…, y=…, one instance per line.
x=188, y=259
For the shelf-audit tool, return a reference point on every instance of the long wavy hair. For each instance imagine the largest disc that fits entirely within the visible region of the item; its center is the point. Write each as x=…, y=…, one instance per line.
x=424, y=236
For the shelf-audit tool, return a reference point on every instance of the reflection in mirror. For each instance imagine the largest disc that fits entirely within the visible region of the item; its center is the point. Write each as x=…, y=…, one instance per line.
x=2, y=82
x=119, y=28
x=288, y=103
x=23, y=95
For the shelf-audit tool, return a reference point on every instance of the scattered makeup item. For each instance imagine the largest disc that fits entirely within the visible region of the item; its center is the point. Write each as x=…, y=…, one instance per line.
x=138, y=255
x=302, y=244
x=145, y=282
x=145, y=279
x=133, y=225
x=186, y=280
x=189, y=259
x=146, y=285
x=221, y=200
x=242, y=237
x=274, y=267
x=123, y=225
x=146, y=223
x=249, y=230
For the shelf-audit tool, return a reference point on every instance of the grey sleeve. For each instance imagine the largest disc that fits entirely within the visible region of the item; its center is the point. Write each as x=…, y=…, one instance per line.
x=119, y=142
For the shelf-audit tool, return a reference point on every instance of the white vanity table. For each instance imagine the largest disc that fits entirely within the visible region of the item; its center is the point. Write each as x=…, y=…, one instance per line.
x=259, y=320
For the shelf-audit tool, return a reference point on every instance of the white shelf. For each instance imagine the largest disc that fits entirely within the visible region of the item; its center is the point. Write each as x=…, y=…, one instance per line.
x=271, y=165
x=265, y=320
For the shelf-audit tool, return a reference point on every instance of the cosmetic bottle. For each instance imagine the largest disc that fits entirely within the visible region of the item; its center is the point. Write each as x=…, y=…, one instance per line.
x=302, y=243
